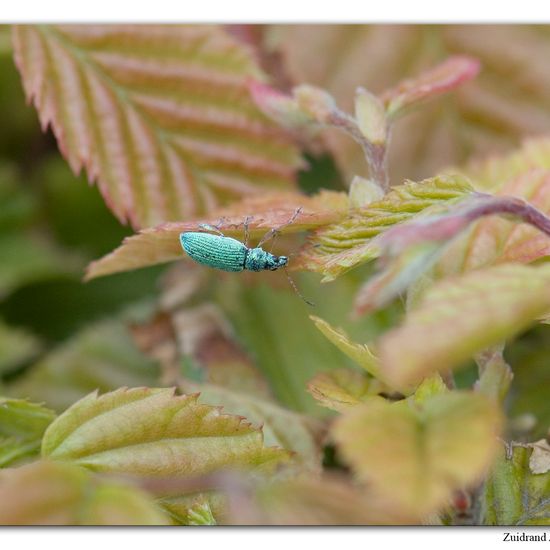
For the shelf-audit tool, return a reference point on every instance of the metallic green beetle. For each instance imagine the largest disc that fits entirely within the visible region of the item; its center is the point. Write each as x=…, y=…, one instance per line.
x=228, y=254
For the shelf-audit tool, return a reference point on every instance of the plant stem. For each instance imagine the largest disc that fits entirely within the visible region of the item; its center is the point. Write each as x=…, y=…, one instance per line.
x=376, y=155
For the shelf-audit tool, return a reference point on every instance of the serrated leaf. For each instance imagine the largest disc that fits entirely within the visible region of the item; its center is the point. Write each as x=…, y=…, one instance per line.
x=161, y=244
x=513, y=495
x=417, y=456
x=22, y=425
x=335, y=249
x=412, y=248
x=508, y=100
x=459, y=316
x=341, y=389
x=102, y=356
x=360, y=353
x=48, y=493
x=281, y=427
x=16, y=347
x=160, y=116
x=152, y=432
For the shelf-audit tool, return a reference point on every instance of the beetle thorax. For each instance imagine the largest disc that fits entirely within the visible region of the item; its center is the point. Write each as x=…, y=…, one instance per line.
x=260, y=260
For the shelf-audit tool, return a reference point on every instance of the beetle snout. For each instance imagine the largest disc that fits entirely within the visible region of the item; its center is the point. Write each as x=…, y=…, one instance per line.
x=281, y=262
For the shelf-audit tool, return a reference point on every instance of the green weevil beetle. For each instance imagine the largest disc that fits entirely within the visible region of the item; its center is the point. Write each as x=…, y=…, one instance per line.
x=228, y=254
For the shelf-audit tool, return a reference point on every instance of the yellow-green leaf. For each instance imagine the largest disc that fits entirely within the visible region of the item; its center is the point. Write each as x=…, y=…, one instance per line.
x=360, y=353
x=22, y=425
x=335, y=249
x=48, y=493
x=341, y=389
x=152, y=432
x=281, y=427
x=459, y=316
x=514, y=495
x=418, y=455
x=160, y=116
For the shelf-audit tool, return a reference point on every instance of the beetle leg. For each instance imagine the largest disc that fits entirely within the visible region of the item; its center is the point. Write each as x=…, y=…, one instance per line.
x=209, y=227
x=275, y=232
x=246, y=230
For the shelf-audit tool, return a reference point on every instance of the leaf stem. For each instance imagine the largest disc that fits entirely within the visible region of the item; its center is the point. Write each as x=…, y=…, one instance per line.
x=375, y=154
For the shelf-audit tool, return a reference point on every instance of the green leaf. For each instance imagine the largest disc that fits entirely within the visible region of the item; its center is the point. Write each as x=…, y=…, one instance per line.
x=459, y=316
x=161, y=244
x=513, y=495
x=152, y=432
x=528, y=358
x=48, y=493
x=341, y=389
x=30, y=257
x=335, y=249
x=417, y=455
x=195, y=509
x=281, y=427
x=22, y=425
x=159, y=116
x=102, y=356
x=274, y=327
x=16, y=347
x=429, y=388
x=359, y=353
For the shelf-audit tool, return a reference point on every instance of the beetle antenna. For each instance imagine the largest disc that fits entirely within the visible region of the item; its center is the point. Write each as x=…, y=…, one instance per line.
x=293, y=285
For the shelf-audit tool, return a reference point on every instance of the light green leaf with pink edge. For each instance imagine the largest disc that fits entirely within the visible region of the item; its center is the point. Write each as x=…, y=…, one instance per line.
x=50, y=493
x=152, y=432
x=417, y=455
x=411, y=249
x=161, y=244
x=160, y=116
x=459, y=316
x=335, y=249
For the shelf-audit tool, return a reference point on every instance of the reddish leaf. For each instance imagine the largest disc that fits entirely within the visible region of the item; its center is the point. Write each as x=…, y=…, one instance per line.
x=160, y=116
x=161, y=244
x=443, y=78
